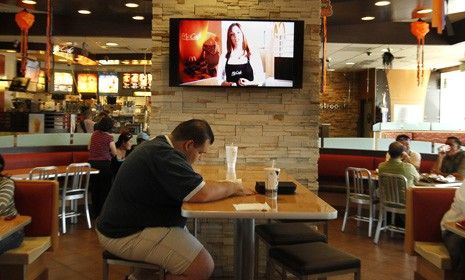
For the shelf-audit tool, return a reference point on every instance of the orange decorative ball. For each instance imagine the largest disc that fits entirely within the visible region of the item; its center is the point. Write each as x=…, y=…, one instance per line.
x=419, y=29
x=24, y=20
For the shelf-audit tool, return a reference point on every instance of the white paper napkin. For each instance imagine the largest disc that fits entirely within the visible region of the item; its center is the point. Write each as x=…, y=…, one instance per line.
x=252, y=207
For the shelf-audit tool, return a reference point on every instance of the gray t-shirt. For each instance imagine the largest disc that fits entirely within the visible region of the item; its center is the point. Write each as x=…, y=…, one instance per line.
x=148, y=190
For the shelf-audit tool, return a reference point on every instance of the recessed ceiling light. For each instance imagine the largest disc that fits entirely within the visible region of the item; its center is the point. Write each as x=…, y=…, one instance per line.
x=62, y=60
x=29, y=2
x=84, y=12
x=382, y=3
x=368, y=18
x=111, y=44
x=350, y=63
x=131, y=5
x=138, y=17
x=10, y=51
x=330, y=69
x=425, y=11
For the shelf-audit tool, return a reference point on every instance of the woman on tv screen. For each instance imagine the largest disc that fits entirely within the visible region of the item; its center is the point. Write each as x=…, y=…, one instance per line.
x=239, y=65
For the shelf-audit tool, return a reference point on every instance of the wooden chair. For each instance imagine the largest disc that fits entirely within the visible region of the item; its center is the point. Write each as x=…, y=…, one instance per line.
x=38, y=199
x=360, y=191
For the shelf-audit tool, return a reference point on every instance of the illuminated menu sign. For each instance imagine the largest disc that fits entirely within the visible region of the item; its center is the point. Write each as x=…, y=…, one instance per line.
x=108, y=83
x=87, y=82
x=62, y=82
x=137, y=81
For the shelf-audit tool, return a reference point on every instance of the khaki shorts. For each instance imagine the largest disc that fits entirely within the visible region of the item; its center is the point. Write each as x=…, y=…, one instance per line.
x=172, y=248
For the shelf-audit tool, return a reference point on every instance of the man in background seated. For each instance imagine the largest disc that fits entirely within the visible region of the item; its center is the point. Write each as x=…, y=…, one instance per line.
x=141, y=219
x=142, y=137
x=450, y=159
x=454, y=243
x=395, y=165
x=408, y=155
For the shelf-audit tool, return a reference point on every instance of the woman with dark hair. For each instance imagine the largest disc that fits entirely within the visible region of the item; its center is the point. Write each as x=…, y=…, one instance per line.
x=8, y=209
x=123, y=146
x=101, y=149
x=238, y=65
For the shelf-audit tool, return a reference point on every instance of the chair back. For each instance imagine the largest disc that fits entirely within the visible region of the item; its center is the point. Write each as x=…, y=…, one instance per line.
x=43, y=173
x=359, y=185
x=392, y=191
x=39, y=199
x=76, y=181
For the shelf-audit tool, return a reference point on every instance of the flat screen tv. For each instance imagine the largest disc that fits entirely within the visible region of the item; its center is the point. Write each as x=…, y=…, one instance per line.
x=108, y=83
x=32, y=72
x=87, y=82
x=135, y=81
x=226, y=52
x=62, y=82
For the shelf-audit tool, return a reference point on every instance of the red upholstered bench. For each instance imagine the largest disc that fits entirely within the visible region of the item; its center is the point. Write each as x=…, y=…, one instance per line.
x=24, y=160
x=333, y=166
x=81, y=156
x=423, y=233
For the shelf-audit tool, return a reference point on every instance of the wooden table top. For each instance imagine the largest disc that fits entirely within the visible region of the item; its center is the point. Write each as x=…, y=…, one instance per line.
x=23, y=173
x=9, y=227
x=451, y=226
x=304, y=204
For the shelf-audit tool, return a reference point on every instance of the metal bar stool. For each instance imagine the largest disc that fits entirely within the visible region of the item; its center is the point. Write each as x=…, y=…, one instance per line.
x=109, y=258
x=314, y=260
x=283, y=234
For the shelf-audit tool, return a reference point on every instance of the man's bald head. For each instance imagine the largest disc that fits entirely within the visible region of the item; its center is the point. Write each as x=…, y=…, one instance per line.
x=396, y=149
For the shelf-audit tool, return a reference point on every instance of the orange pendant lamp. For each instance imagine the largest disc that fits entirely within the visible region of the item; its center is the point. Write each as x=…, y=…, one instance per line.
x=419, y=29
x=24, y=20
x=326, y=11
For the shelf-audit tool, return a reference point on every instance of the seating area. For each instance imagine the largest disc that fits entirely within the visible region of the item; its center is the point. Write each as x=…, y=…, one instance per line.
x=39, y=200
x=423, y=234
x=34, y=159
x=332, y=164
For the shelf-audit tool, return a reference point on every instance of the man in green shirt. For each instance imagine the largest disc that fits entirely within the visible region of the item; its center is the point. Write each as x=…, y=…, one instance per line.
x=395, y=165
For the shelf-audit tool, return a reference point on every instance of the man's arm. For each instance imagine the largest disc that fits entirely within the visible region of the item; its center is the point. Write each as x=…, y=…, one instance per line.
x=215, y=190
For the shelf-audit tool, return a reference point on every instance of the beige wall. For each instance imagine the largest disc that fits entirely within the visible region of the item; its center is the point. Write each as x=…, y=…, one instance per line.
x=403, y=89
x=265, y=123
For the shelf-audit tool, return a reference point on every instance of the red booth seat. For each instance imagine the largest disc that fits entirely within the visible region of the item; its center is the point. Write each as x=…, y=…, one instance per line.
x=334, y=166
x=26, y=160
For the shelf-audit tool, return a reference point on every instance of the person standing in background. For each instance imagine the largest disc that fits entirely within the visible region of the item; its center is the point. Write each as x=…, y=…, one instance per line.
x=101, y=149
x=8, y=209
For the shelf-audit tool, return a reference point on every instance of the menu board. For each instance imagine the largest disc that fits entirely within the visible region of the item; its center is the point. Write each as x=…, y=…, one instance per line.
x=62, y=82
x=137, y=81
x=108, y=83
x=87, y=82
x=41, y=82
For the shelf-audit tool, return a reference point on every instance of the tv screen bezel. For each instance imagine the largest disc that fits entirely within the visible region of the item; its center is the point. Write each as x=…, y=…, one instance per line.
x=95, y=74
x=73, y=85
x=174, y=81
x=106, y=93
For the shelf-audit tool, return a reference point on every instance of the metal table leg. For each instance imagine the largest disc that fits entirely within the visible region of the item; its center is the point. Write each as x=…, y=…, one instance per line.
x=244, y=249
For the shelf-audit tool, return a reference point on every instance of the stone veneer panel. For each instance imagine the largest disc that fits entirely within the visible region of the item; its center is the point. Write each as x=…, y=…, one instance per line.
x=266, y=124
x=340, y=105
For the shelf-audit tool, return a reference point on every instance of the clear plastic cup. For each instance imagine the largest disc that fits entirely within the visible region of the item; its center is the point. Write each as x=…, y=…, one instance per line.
x=271, y=182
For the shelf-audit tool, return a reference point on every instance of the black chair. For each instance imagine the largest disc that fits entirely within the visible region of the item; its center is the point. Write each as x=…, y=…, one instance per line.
x=314, y=260
x=276, y=234
x=109, y=258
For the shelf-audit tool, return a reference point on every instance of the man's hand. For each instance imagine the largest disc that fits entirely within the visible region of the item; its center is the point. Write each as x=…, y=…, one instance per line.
x=243, y=82
x=244, y=192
